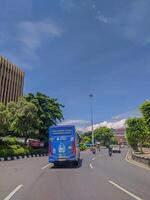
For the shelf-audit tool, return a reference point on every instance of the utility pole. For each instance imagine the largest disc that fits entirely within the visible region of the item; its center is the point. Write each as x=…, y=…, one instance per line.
x=91, y=109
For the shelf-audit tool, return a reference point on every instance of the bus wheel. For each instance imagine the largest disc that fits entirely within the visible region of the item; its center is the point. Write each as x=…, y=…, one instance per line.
x=76, y=163
x=56, y=164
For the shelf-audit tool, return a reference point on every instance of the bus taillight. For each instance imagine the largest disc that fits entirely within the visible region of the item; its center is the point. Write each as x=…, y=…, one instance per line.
x=50, y=148
x=73, y=148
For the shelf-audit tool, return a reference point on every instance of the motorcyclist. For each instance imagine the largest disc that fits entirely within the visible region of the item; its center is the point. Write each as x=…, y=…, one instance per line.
x=110, y=150
x=99, y=148
x=93, y=149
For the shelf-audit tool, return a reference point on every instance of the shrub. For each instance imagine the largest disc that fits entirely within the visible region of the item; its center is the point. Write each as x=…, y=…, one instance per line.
x=6, y=152
x=13, y=150
x=19, y=151
x=82, y=147
x=10, y=140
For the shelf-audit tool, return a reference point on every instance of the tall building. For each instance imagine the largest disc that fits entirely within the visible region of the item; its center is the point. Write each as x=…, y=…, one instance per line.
x=119, y=134
x=11, y=81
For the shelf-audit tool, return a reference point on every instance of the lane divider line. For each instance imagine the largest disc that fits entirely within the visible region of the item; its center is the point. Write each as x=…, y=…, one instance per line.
x=46, y=166
x=124, y=190
x=13, y=192
x=91, y=166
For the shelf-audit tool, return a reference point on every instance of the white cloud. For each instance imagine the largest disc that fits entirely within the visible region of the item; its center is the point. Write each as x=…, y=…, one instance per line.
x=79, y=124
x=31, y=34
x=114, y=125
x=130, y=113
x=99, y=16
x=117, y=121
x=94, y=6
x=134, y=22
x=103, y=19
x=75, y=122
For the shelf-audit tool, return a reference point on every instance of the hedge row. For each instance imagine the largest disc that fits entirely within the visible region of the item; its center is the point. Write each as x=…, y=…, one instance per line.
x=13, y=150
x=9, y=146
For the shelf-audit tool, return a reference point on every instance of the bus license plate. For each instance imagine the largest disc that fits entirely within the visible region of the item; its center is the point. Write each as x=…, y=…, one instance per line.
x=62, y=159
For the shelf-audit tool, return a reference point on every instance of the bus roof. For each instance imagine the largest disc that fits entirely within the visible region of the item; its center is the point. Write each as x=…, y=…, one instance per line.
x=62, y=126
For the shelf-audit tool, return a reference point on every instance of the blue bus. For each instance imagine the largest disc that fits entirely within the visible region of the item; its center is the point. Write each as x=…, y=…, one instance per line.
x=63, y=145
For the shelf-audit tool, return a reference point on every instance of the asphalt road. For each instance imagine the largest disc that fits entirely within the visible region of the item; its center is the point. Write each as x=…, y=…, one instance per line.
x=99, y=177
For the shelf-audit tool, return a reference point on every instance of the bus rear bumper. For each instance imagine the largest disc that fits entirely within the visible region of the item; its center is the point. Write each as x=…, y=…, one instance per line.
x=69, y=159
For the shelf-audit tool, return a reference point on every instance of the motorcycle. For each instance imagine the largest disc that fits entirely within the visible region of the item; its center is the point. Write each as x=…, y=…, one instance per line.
x=93, y=151
x=110, y=151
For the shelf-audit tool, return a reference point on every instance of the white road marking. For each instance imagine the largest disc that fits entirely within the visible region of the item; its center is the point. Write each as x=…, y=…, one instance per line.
x=135, y=163
x=46, y=166
x=13, y=192
x=93, y=158
x=127, y=192
x=91, y=166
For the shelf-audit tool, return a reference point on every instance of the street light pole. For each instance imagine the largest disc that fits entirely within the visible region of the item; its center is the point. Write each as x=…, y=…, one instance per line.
x=91, y=109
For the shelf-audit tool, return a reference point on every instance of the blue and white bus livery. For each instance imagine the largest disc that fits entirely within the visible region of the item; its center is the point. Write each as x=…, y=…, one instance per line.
x=63, y=145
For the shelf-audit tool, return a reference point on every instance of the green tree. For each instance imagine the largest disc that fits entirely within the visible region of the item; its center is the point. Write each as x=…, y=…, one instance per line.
x=145, y=110
x=135, y=132
x=87, y=134
x=11, y=107
x=4, y=120
x=49, y=111
x=114, y=140
x=86, y=140
x=104, y=135
x=25, y=119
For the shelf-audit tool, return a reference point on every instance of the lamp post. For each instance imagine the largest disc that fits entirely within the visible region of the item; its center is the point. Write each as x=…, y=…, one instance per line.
x=91, y=109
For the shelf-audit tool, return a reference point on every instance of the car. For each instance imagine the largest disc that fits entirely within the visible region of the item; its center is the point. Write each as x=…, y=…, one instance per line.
x=103, y=147
x=116, y=149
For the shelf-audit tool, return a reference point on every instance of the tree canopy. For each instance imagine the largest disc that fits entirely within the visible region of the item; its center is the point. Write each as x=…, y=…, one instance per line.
x=30, y=116
x=135, y=132
x=49, y=111
x=103, y=135
x=4, y=120
x=145, y=110
x=25, y=119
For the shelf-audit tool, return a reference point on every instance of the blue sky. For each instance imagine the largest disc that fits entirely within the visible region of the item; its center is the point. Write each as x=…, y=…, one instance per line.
x=70, y=48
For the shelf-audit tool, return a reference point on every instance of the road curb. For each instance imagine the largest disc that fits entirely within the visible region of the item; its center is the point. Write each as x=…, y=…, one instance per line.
x=22, y=157
x=130, y=160
x=142, y=159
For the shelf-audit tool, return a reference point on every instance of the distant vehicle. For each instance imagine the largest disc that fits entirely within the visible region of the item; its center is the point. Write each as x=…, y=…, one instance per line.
x=110, y=150
x=94, y=151
x=110, y=153
x=116, y=149
x=35, y=143
x=63, y=145
x=103, y=147
x=88, y=144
